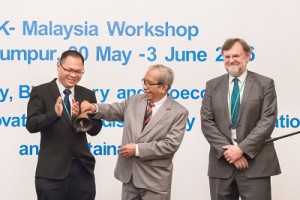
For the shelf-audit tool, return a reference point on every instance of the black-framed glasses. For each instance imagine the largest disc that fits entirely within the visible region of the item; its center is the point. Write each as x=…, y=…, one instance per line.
x=71, y=71
x=234, y=56
x=147, y=84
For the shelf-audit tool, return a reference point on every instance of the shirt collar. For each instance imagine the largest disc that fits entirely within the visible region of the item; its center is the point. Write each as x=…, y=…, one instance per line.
x=160, y=102
x=61, y=88
x=241, y=77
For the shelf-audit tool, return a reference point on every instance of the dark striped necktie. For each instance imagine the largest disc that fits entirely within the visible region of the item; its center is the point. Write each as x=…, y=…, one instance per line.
x=148, y=115
x=67, y=92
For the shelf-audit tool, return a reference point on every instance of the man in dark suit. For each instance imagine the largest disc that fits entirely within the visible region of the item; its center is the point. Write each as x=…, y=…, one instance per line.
x=238, y=114
x=65, y=168
x=154, y=125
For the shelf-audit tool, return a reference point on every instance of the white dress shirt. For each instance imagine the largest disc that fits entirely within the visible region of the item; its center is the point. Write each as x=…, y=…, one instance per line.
x=242, y=80
x=157, y=105
x=61, y=89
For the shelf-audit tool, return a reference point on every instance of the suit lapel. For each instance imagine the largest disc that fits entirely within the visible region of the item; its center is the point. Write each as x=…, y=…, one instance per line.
x=224, y=96
x=159, y=115
x=55, y=93
x=140, y=114
x=247, y=90
x=54, y=90
x=78, y=94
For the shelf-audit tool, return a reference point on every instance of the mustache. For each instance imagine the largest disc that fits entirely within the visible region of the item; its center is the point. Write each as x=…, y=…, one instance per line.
x=231, y=64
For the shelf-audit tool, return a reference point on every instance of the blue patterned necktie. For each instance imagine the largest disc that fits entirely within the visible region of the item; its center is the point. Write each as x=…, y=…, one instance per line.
x=67, y=92
x=235, y=103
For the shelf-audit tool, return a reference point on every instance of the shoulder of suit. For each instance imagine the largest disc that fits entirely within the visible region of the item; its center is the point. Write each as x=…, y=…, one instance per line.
x=218, y=79
x=177, y=105
x=44, y=85
x=259, y=77
x=137, y=97
x=81, y=88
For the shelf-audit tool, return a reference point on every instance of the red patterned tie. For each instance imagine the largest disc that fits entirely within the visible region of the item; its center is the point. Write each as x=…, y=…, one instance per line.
x=148, y=115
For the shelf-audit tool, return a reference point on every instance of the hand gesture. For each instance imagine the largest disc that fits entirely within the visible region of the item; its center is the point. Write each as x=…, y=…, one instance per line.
x=58, y=107
x=87, y=107
x=75, y=108
x=232, y=153
x=127, y=150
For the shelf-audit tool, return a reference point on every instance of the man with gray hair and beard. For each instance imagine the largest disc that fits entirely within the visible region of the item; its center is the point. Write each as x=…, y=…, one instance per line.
x=238, y=114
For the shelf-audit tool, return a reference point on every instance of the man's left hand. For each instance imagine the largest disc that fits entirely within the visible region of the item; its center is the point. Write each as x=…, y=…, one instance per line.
x=241, y=163
x=127, y=150
x=75, y=108
x=232, y=153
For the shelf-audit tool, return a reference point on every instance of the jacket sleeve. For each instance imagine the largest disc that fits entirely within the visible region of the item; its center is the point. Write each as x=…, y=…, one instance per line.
x=95, y=119
x=255, y=140
x=209, y=127
x=39, y=117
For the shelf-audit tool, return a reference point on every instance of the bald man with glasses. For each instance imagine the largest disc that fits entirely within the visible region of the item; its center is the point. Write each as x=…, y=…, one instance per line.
x=154, y=126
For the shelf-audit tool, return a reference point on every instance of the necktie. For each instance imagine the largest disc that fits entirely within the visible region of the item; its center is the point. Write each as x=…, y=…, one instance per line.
x=148, y=115
x=67, y=93
x=235, y=103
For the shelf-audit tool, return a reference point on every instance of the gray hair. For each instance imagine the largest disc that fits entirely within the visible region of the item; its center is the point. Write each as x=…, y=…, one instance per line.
x=166, y=74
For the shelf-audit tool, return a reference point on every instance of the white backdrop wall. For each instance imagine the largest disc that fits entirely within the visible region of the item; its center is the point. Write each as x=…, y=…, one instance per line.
x=31, y=29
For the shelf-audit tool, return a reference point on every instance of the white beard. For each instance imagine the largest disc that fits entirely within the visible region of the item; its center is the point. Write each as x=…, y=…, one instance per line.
x=234, y=70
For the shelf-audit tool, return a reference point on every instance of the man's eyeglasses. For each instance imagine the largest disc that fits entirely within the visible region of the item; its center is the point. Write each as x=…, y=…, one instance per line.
x=234, y=56
x=147, y=84
x=71, y=71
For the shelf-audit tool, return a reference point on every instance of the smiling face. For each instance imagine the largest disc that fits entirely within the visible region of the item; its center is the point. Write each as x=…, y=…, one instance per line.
x=236, y=60
x=154, y=93
x=67, y=71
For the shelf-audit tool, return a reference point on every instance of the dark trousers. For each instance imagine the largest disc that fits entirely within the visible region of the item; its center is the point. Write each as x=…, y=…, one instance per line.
x=240, y=186
x=78, y=185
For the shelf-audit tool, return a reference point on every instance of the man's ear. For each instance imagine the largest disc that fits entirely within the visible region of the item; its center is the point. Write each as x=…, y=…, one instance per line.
x=57, y=66
x=249, y=57
x=165, y=88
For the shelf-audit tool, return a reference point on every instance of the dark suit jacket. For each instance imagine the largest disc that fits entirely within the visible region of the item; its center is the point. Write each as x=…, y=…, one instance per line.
x=59, y=140
x=158, y=141
x=256, y=121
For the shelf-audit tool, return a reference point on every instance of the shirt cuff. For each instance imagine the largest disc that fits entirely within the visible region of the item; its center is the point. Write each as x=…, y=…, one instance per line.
x=96, y=107
x=137, y=151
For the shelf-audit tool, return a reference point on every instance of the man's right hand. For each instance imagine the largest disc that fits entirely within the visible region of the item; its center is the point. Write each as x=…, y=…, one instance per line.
x=58, y=107
x=241, y=163
x=87, y=107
